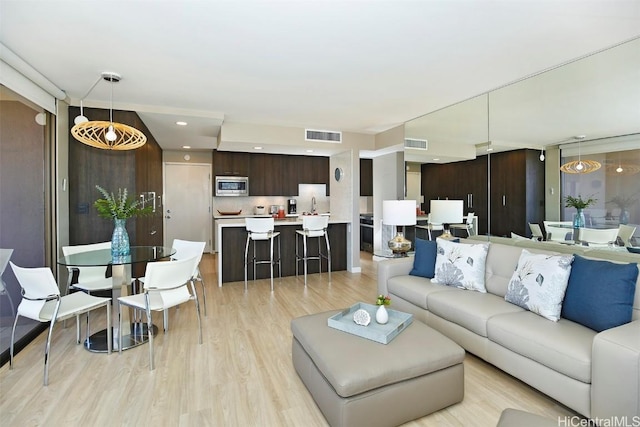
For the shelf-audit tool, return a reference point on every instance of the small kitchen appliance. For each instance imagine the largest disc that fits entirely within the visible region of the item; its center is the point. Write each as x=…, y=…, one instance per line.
x=292, y=206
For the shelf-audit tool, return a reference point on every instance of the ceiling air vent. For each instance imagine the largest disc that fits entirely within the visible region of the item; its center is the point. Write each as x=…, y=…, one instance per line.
x=418, y=144
x=323, y=136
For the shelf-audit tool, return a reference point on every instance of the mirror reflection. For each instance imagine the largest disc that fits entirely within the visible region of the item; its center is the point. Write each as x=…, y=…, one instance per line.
x=595, y=98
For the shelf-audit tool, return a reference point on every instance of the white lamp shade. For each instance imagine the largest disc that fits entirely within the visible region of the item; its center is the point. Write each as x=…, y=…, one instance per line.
x=399, y=212
x=446, y=211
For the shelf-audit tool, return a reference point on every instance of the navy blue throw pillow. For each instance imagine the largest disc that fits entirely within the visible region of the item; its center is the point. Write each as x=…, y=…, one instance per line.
x=424, y=261
x=600, y=293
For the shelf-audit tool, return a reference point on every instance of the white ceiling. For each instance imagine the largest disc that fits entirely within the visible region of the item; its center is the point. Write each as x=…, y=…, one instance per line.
x=351, y=66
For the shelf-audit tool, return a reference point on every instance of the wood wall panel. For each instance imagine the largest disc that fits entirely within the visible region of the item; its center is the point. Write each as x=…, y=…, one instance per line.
x=137, y=170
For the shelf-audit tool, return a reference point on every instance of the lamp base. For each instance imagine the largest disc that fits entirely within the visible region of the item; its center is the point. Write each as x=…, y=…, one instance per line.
x=446, y=232
x=399, y=244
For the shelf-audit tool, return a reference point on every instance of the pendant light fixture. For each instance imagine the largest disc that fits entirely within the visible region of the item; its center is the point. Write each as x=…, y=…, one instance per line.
x=542, y=154
x=106, y=135
x=580, y=166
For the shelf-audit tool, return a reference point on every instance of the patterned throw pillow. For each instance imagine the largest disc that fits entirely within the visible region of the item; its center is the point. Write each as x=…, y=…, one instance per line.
x=539, y=283
x=461, y=265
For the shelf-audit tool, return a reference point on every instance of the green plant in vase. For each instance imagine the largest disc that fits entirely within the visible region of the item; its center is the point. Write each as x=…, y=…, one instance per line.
x=580, y=204
x=624, y=202
x=119, y=209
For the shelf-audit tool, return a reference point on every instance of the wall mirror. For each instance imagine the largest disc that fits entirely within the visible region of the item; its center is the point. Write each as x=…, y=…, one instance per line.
x=597, y=96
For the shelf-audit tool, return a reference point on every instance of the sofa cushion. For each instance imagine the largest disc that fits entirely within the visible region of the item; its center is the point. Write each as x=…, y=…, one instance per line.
x=461, y=265
x=539, y=283
x=600, y=293
x=415, y=290
x=424, y=260
x=470, y=310
x=563, y=346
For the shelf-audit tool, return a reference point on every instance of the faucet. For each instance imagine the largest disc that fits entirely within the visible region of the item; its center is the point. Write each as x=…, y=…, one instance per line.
x=313, y=204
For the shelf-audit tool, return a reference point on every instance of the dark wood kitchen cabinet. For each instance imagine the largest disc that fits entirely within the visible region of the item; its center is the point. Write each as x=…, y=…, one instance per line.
x=465, y=180
x=267, y=174
x=366, y=177
x=313, y=170
x=516, y=196
x=517, y=192
x=231, y=163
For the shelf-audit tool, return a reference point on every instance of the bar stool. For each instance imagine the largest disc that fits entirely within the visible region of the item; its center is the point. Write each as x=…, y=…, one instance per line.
x=261, y=229
x=313, y=226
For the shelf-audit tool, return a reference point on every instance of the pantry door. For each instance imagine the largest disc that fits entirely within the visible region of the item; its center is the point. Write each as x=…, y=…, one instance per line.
x=187, y=203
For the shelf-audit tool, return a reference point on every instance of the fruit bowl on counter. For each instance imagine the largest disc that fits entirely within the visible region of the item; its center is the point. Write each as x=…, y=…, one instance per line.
x=229, y=212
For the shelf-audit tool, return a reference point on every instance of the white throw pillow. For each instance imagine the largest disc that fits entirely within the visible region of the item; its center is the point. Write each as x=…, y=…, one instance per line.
x=461, y=265
x=539, y=283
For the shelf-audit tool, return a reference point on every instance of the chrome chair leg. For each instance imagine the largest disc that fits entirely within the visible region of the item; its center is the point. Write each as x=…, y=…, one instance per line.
x=150, y=332
x=13, y=336
x=326, y=239
x=246, y=261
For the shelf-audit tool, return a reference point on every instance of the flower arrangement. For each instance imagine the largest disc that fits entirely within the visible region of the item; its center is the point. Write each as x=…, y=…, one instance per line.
x=579, y=202
x=120, y=207
x=383, y=300
x=622, y=201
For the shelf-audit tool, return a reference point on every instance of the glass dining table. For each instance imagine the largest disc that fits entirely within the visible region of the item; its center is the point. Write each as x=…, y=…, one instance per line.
x=135, y=333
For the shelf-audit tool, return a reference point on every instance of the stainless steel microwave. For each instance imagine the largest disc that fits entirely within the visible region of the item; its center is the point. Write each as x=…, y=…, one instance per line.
x=232, y=186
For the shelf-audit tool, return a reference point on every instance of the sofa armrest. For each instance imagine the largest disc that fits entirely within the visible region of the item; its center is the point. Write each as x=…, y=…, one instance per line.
x=390, y=268
x=615, y=376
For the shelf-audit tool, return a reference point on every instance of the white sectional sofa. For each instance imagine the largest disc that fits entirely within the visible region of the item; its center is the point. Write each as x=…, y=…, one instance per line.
x=597, y=374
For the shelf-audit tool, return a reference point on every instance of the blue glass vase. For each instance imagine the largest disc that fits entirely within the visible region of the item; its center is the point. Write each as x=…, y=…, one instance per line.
x=624, y=216
x=578, y=223
x=120, y=240
x=578, y=219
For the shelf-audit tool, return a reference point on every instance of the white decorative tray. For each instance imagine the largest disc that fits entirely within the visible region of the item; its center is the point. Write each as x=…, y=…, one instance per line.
x=383, y=334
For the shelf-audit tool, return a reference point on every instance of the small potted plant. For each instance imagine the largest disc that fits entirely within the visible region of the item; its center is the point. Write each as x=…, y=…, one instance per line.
x=382, y=316
x=119, y=209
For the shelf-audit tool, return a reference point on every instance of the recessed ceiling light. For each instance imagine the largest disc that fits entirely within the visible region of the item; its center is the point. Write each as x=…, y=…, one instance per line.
x=181, y=123
x=436, y=159
x=186, y=147
x=309, y=151
x=257, y=148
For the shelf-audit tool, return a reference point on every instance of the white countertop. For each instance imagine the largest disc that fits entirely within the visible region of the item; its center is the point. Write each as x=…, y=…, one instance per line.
x=237, y=221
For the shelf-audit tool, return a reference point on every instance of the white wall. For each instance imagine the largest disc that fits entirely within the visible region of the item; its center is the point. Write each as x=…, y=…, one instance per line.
x=344, y=200
x=388, y=184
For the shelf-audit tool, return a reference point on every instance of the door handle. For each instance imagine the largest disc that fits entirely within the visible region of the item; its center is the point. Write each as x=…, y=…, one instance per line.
x=168, y=216
x=504, y=200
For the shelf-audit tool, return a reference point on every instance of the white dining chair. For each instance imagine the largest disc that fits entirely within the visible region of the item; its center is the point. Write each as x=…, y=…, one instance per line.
x=89, y=279
x=432, y=226
x=42, y=302
x=598, y=237
x=536, y=232
x=165, y=286
x=625, y=232
x=559, y=233
x=468, y=225
x=188, y=249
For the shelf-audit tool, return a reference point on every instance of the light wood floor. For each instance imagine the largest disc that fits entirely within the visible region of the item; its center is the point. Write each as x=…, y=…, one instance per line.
x=241, y=375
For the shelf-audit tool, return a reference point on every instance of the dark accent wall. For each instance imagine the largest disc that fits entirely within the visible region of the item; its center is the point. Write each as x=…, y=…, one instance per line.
x=137, y=170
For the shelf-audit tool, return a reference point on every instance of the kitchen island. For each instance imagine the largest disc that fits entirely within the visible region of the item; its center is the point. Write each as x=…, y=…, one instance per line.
x=231, y=237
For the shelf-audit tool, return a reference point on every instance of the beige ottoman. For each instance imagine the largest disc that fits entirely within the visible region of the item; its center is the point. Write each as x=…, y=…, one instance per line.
x=357, y=382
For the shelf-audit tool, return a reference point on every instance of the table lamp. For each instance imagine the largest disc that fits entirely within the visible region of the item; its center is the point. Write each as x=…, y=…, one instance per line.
x=446, y=212
x=399, y=213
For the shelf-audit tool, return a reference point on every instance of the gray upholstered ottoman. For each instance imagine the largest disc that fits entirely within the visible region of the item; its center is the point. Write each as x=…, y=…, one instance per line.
x=357, y=382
